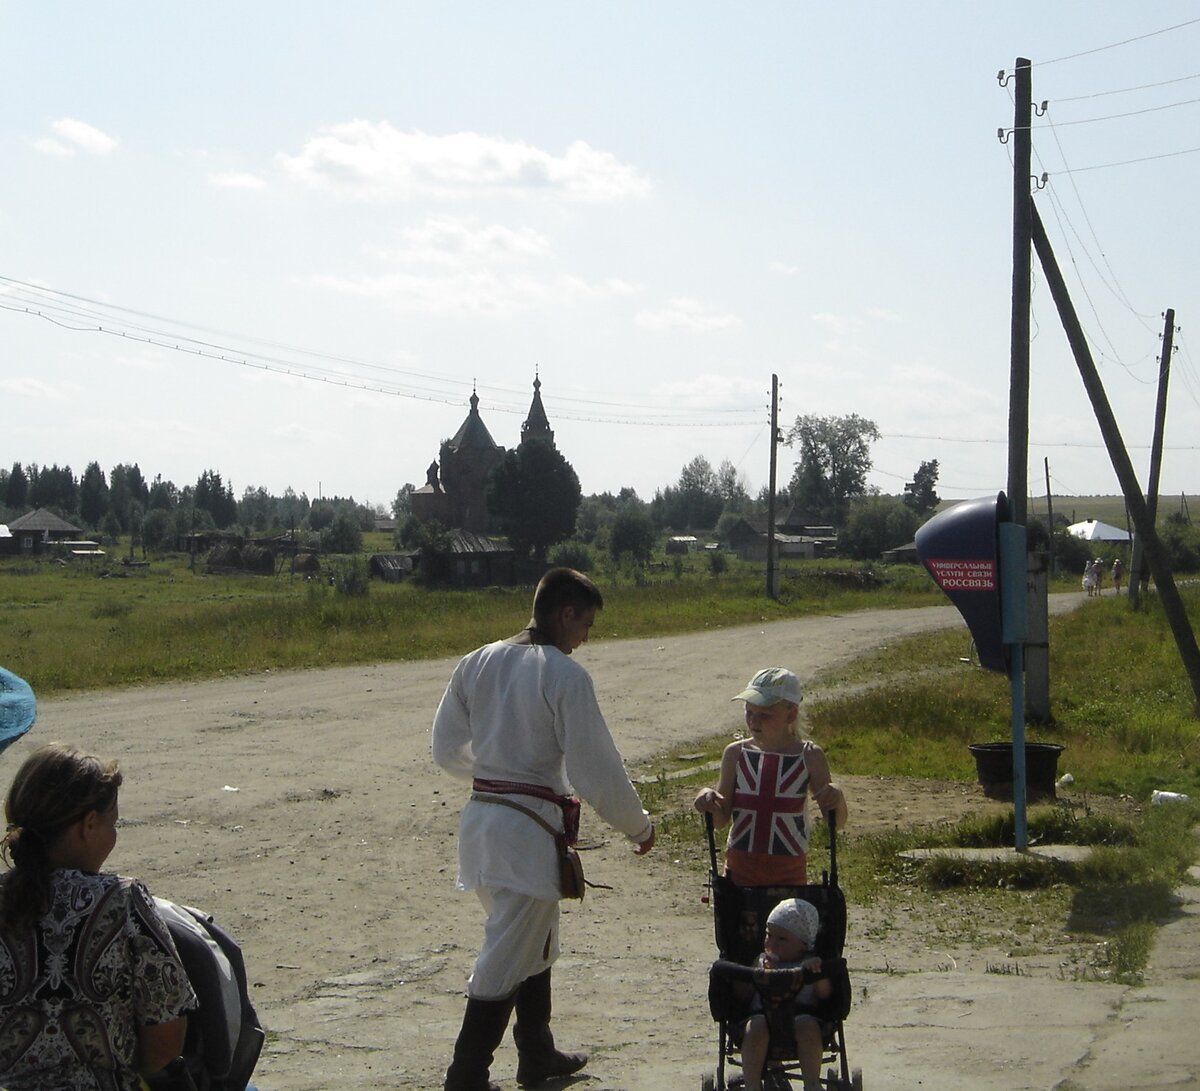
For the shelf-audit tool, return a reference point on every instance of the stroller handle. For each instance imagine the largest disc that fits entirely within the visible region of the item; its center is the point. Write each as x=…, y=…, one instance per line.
x=830, y=818
x=770, y=979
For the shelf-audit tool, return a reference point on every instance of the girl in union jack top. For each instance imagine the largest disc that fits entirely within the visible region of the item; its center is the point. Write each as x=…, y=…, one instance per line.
x=764, y=783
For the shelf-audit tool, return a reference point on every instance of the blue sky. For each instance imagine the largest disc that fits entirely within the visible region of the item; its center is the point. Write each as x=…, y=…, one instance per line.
x=345, y=216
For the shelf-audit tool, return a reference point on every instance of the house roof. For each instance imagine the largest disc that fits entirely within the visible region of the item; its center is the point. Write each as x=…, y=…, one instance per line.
x=466, y=541
x=42, y=521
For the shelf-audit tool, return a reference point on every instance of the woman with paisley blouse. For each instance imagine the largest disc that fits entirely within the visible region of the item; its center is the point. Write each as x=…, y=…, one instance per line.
x=92, y=992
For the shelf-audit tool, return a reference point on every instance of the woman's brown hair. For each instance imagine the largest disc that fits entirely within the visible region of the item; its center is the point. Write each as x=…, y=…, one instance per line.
x=55, y=787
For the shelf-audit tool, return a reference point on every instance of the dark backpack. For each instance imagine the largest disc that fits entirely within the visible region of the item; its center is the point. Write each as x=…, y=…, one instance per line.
x=225, y=1037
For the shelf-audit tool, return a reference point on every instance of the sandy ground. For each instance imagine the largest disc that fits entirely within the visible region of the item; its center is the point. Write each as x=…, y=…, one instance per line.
x=304, y=812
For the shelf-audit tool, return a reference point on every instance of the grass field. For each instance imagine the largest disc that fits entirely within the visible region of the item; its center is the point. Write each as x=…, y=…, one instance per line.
x=74, y=628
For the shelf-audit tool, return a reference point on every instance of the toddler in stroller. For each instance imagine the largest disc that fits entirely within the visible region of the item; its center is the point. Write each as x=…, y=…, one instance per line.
x=780, y=1001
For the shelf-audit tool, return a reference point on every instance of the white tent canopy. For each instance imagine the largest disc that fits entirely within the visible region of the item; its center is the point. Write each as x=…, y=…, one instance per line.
x=1093, y=530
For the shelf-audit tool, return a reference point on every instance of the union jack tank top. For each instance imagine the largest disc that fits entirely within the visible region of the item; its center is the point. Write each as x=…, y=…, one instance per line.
x=768, y=834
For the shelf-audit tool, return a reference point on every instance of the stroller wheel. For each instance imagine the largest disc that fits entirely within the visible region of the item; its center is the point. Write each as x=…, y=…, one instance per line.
x=708, y=1082
x=856, y=1079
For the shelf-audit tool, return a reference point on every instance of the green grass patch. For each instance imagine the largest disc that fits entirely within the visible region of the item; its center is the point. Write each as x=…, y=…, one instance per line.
x=78, y=628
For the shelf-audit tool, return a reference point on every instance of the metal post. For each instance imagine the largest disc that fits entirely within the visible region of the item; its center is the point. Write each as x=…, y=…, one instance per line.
x=1013, y=551
x=772, y=580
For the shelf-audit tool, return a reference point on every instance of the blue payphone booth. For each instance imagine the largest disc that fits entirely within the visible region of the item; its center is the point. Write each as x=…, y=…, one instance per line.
x=960, y=548
x=978, y=557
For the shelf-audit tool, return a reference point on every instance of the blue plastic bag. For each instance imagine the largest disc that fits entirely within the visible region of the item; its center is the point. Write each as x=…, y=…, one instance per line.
x=18, y=708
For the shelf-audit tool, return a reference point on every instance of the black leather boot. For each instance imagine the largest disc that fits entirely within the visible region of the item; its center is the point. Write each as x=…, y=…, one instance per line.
x=483, y=1027
x=537, y=1059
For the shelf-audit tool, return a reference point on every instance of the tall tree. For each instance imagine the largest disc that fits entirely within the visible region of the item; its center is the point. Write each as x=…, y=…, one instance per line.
x=402, y=504
x=93, y=495
x=16, y=492
x=163, y=495
x=256, y=509
x=213, y=496
x=835, y=458
x=632, y=533
x=693, y=503
x=730, y=486
x=127, y=492
x=920, y=495
x=53, y=487
x=876, y=523
x=533, y=497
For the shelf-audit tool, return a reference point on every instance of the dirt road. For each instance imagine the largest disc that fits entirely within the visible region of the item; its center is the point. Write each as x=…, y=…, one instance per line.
x=304, y=812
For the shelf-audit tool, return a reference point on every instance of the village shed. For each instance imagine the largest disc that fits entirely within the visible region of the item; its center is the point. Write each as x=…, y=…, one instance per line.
x=391, y=567
x=682, y=543
x=474, y=560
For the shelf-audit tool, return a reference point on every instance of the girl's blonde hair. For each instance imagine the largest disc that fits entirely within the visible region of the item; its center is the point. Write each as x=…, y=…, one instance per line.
x=55, y=787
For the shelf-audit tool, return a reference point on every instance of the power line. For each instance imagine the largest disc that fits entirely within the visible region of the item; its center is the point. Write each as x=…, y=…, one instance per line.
x=81, y=314
x=1131, y=162
x=1117, y=117
x=1117, y=45
x=1128, y=90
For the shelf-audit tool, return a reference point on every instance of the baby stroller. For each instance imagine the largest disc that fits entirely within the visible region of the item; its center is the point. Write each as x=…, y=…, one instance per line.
x=225, y=1037
x=739, y=920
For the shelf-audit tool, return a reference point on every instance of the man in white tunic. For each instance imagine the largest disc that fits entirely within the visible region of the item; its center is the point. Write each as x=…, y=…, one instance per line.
x=519, y=720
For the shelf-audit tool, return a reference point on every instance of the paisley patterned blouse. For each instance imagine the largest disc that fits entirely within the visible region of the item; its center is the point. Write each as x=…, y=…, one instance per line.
x=74, y=992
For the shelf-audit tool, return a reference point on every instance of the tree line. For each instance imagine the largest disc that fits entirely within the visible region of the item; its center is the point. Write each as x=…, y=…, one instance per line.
x=158, y=513
x=534, y=496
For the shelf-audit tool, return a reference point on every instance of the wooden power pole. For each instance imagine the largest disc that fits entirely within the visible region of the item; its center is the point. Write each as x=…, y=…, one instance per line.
x=1168, y=593
x=772, y=577
x=1018, y=386
x=1137, y=563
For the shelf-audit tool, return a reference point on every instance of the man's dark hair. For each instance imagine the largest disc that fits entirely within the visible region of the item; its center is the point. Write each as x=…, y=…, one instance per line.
x=565, y=587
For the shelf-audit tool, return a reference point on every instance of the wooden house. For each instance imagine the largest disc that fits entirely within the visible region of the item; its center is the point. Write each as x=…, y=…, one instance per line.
x=34, y=532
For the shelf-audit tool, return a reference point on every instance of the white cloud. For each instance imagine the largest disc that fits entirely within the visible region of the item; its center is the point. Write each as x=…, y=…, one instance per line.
x=442, y=240
x=469, y=291
x=233, y=179
x=883, y=314
x=833, y=321
x=48, y=146
x=450, y=267
x=73, y=136
x=25, y=386
x=685, y=314
x=715, y=391
x=374, y=161
x=783, y=269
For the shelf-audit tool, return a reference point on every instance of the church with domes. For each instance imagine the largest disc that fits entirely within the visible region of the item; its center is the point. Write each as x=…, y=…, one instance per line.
x=455, y=489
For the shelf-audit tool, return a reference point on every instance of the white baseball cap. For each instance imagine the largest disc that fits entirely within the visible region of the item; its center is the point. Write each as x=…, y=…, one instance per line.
x=770, y=686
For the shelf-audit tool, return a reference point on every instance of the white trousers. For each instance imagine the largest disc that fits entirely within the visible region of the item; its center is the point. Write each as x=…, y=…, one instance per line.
x=520, y=940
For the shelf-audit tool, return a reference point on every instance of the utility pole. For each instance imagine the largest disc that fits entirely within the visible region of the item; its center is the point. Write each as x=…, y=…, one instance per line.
x=1018, y=387
x=772, y=578
x=1050, y=515
x=1168, y=593
x=1032, y=649
x=1137, y=565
